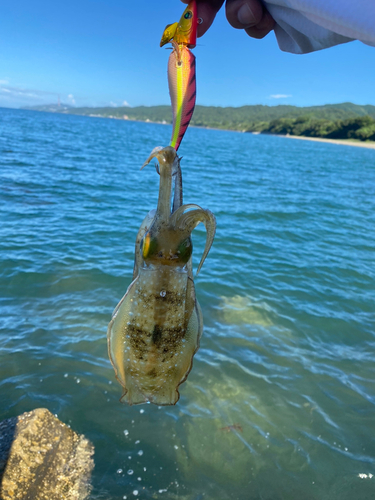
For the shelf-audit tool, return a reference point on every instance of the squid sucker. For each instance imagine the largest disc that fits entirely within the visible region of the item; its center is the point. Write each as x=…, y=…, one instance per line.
x=156, y=327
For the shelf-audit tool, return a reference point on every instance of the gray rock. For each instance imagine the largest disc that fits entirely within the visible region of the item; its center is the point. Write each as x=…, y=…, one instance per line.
x=43, y=459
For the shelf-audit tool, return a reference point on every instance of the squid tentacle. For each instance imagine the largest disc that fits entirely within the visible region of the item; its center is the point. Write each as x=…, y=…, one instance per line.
x=190, y=220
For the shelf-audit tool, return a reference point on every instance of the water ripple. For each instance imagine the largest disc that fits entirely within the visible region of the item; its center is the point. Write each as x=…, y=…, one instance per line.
x=280, y=401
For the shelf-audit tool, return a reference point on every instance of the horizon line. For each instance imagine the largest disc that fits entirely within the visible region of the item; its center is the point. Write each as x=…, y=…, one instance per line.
x=62, y=105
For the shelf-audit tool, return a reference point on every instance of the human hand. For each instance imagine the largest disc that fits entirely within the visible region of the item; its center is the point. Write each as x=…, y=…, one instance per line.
x=249, y=15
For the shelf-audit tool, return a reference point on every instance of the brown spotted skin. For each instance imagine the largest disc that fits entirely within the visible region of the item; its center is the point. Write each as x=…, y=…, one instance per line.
x=153, y=335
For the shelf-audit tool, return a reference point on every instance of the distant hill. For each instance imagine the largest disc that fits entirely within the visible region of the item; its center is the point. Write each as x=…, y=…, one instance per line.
x=282, y=119
x=218, y=117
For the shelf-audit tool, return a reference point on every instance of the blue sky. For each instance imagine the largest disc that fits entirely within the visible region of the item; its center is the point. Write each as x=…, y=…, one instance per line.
x=106, y=52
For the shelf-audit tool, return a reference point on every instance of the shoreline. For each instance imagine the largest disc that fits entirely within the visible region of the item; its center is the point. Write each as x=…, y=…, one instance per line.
x=345, y=142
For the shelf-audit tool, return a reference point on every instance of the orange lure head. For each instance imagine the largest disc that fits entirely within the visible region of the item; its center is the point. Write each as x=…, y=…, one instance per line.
x=185, y=31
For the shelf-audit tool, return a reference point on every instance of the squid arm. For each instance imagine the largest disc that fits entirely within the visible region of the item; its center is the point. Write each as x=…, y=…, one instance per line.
x=190, y=220
x=177, y=196
x=178, y=220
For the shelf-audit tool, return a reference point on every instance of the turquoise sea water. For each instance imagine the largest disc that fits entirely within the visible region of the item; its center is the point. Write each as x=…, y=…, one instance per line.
x=287, y=294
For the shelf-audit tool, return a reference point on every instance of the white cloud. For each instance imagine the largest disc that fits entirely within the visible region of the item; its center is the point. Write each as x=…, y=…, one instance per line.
x=116, y=104
x=19, y=96
x=280, y=96
x=4, y=82
x=71, y=99
x=25, y=93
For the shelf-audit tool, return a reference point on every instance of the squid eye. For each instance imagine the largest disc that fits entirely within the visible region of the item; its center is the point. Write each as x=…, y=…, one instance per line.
x=148, y=246
x=184, y=250
x=188, y=15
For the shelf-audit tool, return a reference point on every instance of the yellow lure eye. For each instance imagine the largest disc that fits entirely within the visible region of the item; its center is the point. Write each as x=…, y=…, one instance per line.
x=188, y=15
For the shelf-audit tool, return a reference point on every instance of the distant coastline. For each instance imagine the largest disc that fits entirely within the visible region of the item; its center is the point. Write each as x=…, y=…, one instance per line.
x=344, y=123
x=345, y=142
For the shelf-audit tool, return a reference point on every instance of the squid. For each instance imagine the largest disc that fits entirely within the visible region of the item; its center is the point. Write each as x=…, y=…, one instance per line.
x=156, y=327
x=181, y=70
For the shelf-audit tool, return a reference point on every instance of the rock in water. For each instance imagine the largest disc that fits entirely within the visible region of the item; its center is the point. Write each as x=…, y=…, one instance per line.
x=42, y=458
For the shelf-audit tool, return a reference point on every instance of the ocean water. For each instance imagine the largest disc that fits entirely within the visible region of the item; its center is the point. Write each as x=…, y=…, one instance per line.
x=280, y=403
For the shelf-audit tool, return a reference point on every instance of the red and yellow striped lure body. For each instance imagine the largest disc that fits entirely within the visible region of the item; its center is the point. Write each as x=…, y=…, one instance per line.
x=182, y=89
x=181, y=70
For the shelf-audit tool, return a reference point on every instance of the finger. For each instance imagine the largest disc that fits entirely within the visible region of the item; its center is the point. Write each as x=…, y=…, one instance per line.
x=207, y=10
x=262, y=29
x=243, y=14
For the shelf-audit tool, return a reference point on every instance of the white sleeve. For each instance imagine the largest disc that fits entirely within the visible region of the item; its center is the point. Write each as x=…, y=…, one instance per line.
x=307, y=25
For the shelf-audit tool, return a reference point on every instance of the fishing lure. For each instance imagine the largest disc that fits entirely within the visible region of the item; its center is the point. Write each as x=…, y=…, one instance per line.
x=185, y=31
x=181, y=70
x=156, y=327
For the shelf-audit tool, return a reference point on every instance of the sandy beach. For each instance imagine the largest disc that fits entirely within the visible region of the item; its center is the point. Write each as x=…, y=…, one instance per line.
x=369, y=145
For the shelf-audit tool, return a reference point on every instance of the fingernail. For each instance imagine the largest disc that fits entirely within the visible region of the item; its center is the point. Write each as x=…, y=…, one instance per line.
x=245, y=15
